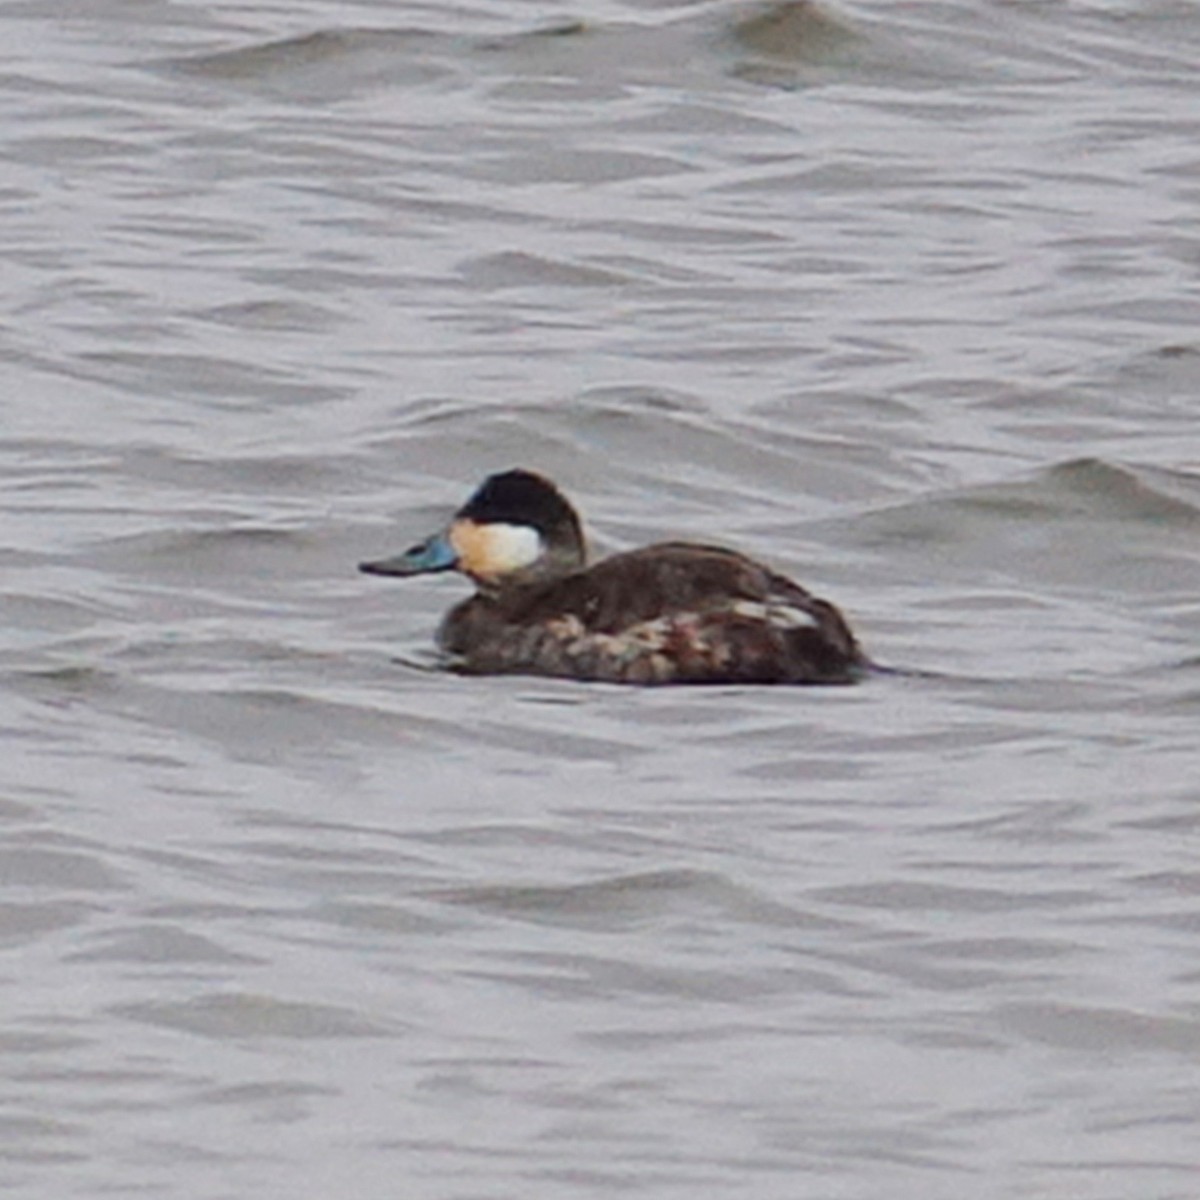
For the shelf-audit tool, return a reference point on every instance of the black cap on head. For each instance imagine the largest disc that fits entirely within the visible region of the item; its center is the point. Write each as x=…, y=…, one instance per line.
x=520, y=497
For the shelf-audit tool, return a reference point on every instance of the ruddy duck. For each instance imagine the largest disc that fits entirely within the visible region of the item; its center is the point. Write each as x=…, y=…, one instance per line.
x=676, y=612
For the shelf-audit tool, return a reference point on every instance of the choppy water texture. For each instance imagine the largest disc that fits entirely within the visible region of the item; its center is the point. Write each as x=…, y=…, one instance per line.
x=902, y=298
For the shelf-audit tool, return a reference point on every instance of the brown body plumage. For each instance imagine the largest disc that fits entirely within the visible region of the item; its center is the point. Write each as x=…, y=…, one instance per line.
x=676, y=612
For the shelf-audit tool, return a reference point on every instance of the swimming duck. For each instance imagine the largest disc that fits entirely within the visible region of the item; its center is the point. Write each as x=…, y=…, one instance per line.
x=676, y=612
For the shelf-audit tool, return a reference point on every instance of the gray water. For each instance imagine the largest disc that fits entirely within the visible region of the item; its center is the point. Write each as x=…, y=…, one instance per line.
x=901, y=298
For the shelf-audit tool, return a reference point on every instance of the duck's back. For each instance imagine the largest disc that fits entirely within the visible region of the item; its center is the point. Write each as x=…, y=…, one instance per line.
x=671, y=613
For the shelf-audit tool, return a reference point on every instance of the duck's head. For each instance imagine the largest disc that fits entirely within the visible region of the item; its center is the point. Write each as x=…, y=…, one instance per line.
x=517, y=528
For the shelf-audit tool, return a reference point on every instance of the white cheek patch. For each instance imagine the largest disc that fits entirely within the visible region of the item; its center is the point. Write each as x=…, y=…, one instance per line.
x=510, y=547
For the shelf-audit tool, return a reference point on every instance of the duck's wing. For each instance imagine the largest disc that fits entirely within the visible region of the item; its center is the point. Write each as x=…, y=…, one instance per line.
x=655, y=581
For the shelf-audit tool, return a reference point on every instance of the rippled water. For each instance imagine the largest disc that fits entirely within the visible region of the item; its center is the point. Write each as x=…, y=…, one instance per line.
x=901, y=298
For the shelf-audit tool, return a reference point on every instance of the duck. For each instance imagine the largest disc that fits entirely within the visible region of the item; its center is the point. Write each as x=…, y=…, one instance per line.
x=669, y=613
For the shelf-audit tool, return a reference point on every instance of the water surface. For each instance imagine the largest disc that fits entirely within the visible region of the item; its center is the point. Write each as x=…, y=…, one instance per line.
x=900, y=298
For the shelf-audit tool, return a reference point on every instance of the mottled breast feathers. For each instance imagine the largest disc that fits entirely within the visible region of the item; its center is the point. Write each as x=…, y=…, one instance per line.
x=672, y=613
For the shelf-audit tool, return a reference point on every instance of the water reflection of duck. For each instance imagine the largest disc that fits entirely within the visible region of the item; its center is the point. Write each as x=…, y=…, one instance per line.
x=676, y=612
